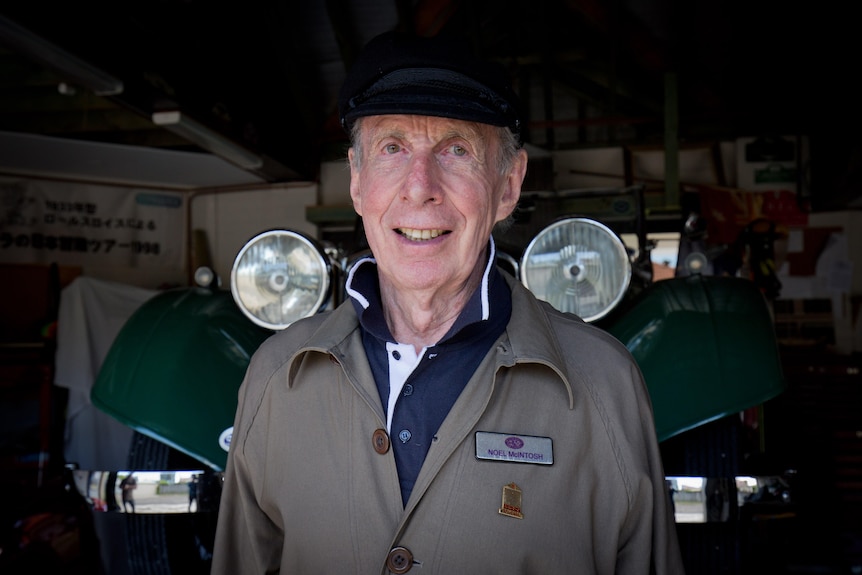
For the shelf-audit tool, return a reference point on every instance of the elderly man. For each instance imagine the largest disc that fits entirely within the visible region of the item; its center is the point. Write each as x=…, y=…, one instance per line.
x=443, y=420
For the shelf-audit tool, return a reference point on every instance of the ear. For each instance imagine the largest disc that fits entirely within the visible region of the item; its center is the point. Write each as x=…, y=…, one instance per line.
x=512, y=186
x=355, y=196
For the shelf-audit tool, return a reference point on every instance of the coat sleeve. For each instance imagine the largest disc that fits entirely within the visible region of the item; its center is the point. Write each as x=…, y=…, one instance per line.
x=652, y=528
x=247, y=540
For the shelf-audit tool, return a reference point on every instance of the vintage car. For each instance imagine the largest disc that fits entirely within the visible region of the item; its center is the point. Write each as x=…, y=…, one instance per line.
x=705, y=344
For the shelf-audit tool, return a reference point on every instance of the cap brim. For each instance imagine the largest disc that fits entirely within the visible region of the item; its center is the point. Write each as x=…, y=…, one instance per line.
x=432, y=92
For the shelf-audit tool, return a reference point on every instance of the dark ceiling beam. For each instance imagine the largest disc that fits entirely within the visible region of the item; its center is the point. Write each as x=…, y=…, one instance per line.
x=598, y=92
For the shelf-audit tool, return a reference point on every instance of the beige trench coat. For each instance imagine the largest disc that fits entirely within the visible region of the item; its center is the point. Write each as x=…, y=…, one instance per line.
x=307, y=491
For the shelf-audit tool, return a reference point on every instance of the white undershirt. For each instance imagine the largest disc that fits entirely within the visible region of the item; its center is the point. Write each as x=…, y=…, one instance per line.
x=399, y=371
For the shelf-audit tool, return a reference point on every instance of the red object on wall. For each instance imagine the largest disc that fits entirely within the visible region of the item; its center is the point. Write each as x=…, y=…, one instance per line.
x=728, y=210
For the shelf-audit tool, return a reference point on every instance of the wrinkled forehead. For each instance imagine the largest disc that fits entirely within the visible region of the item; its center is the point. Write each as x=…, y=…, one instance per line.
x=431, y=127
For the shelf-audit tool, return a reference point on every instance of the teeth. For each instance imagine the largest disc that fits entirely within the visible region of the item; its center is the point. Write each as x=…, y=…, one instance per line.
x=420, y=235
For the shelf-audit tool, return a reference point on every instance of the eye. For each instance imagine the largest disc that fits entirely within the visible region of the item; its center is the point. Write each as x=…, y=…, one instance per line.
x=392, y=148
x=459, y=150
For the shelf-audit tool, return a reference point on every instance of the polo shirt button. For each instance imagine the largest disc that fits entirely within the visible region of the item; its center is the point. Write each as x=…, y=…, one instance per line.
x=399, y=560
x=380, y=440
x=396, y=354
x=408, y=390
x=404, y=435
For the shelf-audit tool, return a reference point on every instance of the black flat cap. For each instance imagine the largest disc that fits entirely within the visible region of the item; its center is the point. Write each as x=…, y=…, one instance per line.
x=439, y=76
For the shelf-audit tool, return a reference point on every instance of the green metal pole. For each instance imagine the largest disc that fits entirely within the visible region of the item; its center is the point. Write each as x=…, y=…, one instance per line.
x=671, y=142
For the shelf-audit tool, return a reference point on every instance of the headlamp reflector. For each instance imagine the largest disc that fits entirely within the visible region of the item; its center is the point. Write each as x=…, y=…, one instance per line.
x=280, y=276
x=578, y=265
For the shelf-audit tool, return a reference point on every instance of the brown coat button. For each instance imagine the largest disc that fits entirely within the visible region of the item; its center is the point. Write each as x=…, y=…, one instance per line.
x=380, y=439
x=399, y=560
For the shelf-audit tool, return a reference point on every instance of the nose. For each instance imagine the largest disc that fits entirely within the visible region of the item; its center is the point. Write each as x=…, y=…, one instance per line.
x=423, y=180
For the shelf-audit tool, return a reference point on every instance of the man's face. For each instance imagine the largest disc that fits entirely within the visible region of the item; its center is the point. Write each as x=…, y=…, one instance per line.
x=429, y=191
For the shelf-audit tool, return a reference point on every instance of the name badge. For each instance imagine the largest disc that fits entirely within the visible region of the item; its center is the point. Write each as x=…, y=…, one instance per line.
x=514, y=448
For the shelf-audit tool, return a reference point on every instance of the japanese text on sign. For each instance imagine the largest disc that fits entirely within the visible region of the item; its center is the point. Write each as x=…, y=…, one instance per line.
x=73, y=224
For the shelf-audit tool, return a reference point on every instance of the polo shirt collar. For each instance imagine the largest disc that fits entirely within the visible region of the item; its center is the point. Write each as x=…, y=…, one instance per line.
x=363, y=288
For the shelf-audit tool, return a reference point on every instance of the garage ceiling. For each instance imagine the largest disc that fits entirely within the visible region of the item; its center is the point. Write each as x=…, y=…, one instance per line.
x=264, y=75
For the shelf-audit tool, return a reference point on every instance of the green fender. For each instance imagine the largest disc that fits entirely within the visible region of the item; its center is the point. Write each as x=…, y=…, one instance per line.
x=174, y=370
x=706, y=346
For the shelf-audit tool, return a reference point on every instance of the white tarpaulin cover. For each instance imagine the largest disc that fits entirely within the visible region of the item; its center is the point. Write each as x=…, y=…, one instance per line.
x=91, y=314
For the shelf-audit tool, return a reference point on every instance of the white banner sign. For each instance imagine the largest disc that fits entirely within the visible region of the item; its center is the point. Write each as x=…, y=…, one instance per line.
x=79, y=225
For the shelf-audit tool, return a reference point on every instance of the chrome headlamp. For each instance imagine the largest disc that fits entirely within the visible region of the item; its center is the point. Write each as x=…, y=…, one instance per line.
x=281, y=276
x=577, y=265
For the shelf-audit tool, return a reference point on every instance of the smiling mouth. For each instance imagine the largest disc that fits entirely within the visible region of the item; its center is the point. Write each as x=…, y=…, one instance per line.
x=420, y=235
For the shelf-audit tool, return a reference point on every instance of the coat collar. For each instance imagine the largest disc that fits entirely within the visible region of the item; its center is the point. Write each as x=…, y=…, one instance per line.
x=529, y=337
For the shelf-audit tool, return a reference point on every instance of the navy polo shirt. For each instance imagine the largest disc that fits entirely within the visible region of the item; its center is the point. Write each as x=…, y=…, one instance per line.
x=426, y=384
